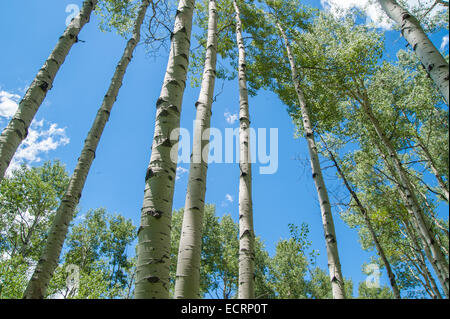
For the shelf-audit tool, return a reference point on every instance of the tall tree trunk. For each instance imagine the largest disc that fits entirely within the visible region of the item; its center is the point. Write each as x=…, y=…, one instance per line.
x=334, y=265
x=421, y=260
x=49, y=259
x=410, y=199
x=246, y=233
x=17, y=129
x=187, y=283
x=368, y=222
x=431, y=58
x=153, y=250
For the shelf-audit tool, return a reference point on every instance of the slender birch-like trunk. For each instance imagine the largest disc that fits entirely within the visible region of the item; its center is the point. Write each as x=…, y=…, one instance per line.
x=187, y=283
x=436, y=256
x=17, y=129
x=414, y=223
x=431, y=58
x=368, y=222
x=246, y=288
x=48, y=261
x=417, y=249
x=334, y=265
x=153, y=250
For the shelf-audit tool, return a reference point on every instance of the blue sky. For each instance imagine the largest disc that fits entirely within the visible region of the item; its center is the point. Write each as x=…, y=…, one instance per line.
x=29, y=30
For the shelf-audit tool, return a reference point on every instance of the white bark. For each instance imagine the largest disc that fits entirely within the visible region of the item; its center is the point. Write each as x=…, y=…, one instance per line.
x=246, y=289
x=187, y=284
x=432, y=60
x=153, y=251
x=334, y=265
x=435, y=254
x=50, y=256
x=17, y=129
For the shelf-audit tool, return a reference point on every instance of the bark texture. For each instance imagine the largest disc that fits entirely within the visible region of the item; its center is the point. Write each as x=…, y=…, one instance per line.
x=246, y=289
x=432, y=60
x=187, y=284
x=334, y=265
x=17, y=129
x=153, y=251
x=49, y=259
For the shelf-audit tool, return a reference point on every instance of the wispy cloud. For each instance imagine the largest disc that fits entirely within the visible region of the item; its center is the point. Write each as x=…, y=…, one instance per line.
x=42, y=137
x=229, y=198
x=444, y=43
x=181, y=171
x=231, y=118
x=373, y=10
x=8, y=104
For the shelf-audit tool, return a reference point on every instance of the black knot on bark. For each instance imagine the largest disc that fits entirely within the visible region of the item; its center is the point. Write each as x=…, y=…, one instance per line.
x=149, y=174
x=330, y=238
x=166, y=143
x=159, y=101
x=163, y=113
x=19, y=134
x=245, y=233
x=184, y=56
x=406, y=16
x=44, y=86
x=174, y=109
x=314, y=175
x=153, y=279
x=155, y=213
x=430, y=67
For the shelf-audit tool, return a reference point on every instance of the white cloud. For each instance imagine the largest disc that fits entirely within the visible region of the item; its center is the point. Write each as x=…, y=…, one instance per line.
x=8, y=104
x=231, y=118
x=444, y=43
x=229, y=198
x=373, y=10
x=180, y=172
x=42, y=138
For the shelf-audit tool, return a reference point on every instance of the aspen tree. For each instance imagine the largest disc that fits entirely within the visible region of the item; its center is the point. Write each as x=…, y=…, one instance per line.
x=246, y=288
x=153, y=250
x=48, y=261
x=17, y=129
x=187, y=282
x=334, y=265
x=410, y=199
x=432, y=60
